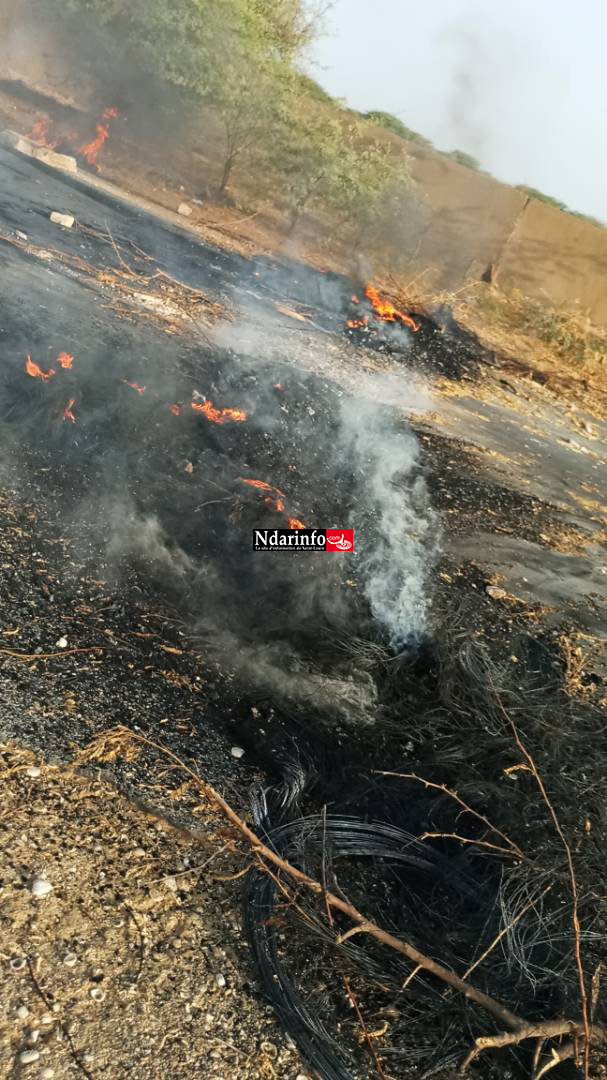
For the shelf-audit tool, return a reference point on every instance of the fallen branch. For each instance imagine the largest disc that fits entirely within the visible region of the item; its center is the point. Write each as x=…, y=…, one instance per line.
x=519, y=1029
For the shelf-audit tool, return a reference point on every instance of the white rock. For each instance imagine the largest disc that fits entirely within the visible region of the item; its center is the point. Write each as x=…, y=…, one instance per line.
x=20, y=235
x=171, y=884
x=220, y=979
x=40, y=887
x=33, y=771
x=62, y=219
x=184, y=209
x=17, y=963
x=23, y=1012
x=97, y=994
x=47, y=1074
x=33, y=1035
x=70, y=959
x=237, y=752
x=27, y=1057
x=46, y=1018
x=62, y=643
x=495, y=592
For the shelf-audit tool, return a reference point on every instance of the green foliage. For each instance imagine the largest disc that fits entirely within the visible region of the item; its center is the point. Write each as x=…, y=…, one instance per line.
x=321, y=158
x=533, y=193
x=308, y=87
x=463, y=158
x=392, y=123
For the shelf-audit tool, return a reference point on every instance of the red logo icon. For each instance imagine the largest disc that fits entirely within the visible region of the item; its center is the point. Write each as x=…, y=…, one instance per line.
x=340, y=539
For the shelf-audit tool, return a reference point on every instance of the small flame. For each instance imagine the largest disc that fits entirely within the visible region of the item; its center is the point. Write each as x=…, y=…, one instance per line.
x=134, y=386
x=294, y=523
x=219, y=416
x=39, y=133
x=175, y=409
x=387, y=311
x=358, y=324
x=67, y=412
x=274, y=498
x=90, y=150
x=36, y=372
x=65, y=360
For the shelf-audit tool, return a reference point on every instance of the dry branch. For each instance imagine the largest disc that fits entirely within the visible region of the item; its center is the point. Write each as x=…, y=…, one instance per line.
x=519, y=1030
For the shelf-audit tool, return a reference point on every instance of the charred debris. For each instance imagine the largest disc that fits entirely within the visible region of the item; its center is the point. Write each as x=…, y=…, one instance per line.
x=380, y=729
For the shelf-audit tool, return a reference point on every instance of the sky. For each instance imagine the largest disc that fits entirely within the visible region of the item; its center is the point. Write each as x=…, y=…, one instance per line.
x=521, y=85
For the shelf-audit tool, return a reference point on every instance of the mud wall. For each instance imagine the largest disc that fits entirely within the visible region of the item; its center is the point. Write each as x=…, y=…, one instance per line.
x=475, y=221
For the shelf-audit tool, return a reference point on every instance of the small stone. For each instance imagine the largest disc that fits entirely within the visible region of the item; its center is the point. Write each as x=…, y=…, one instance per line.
x=70, y=959
x=495, y=592
x=33, y=771
x=27, y=1057
x=237, y=752
x=17, y=963
x=23, y=1012
x=33, y=1035
x=220, y=979
x=138, y=853
x=62, y=643
x=184, y=209
x=171, y=884
x=88, y=1058
x=46, y=1018
x=40, y=887
x=47, y=1074
x=97, y=994
x=67, y=220
x=20, y=235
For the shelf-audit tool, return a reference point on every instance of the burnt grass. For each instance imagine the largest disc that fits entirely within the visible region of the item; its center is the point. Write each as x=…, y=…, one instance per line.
x=128, y=533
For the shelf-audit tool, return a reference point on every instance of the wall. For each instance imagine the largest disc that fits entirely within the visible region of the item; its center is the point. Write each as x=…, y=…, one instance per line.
x=475, y=221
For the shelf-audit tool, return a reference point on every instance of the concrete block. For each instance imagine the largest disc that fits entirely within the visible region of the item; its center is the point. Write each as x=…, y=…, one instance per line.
x=62, y=219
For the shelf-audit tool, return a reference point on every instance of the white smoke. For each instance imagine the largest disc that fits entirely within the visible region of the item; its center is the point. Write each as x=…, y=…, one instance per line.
x=393, y=521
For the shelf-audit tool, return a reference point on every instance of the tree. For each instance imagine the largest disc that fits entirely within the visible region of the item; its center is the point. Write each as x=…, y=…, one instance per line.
x=235, y=55
x=321, y=158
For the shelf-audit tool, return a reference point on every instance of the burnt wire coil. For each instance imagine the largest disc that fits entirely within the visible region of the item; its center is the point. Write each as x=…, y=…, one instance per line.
x=306, y=841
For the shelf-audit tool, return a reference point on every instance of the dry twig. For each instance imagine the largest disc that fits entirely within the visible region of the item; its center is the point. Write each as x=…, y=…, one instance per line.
x=518, y=1029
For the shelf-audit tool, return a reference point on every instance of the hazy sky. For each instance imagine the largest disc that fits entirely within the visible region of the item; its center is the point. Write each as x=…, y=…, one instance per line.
x=521, y=84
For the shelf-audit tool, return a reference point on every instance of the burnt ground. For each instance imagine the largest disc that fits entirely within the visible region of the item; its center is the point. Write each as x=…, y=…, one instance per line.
x=130, y=596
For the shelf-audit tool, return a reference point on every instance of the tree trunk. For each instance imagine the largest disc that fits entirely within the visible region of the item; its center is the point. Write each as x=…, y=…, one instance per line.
x=227, y=172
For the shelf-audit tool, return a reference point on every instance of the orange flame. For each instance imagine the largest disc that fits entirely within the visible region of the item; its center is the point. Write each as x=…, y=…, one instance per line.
x=134, y=386
x=36, y=372
x=219, y=416
x=357, y=324
x=90, y=150
x=274, y=498
x=39, y=133
x=387, y=311
x=67, y=412
x=294, y=523
x=65, y=360
x=175, y=409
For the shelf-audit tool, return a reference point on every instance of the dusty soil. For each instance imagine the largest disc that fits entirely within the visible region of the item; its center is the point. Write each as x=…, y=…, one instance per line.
x=134, y=963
